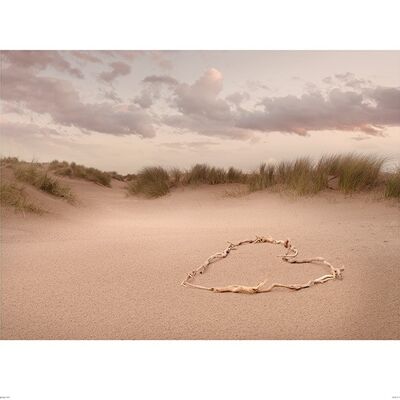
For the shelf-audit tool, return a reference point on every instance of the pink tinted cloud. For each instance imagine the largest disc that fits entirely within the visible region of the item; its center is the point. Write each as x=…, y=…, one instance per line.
x=62, y=102
x=87, y=56
x=202, y=97
x=118, y=68
x=368, y=110
x=25, y=130
x=161, y=79
x=161, y=59
x=40, y=60
x=237, y=98
x=152, y=89
x=353, y=105
x=199, y=107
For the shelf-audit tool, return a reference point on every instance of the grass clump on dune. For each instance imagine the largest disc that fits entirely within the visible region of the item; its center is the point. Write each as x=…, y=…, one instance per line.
x=263, y=178
x=14, y=196
x=392, y=185
x=299, y=176
x=74, y=170
x=235, y=175
x=357, y=172
x=204, y=174
x=156, y=181
x=151, y=181
x=35, y=176
x=216, y=176
x=353, y=172
x=198, y=174
x=176, y=176
x=304, y=178
x=8, y=161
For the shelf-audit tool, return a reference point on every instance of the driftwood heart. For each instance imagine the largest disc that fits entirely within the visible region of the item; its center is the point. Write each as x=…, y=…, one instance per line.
x=289, y=257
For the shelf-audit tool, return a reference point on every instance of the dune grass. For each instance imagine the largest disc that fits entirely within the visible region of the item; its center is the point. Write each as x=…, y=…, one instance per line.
x=157, y=181
x=14, y=196
x=350, y=173
x=235, y=175
x=151, y=181
x=302, y=176
x=204, y=174
x=392, y=185
x=262, y=179
x=201, y=174
x=354, y=173
x=176, y=176
x=73, y=170
x=216, y=176
x=34, y=175
x=8, y=161
x=299, y=176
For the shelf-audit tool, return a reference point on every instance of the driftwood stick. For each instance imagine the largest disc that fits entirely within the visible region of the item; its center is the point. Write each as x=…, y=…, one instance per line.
x=289, y=257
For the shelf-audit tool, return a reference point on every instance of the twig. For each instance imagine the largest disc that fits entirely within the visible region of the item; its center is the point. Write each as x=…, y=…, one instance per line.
x=289, y=257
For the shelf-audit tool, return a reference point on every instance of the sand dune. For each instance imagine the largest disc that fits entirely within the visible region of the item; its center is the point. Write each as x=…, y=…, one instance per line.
x=111, y=266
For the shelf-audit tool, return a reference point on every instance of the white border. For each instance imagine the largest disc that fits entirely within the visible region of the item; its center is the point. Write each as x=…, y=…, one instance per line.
x=206, y=24
x=204, y=369
x=84, y=370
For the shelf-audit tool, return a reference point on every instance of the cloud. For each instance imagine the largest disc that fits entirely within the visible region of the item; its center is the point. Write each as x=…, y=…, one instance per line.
x=118, y=68
x=159, y=57
x=151, y=91
x=87, y=56
x=112, y=95
x=368, y=110
x=40, y=60
x=62, y=102
x=237, y=98
x=12, y=108
x=195, y=107
x=310, y=87
x=24, y=130
x=208, y=127
x=360, y=138
x=162, y=79
x=346, y=103
x=347, y=79
x=199, y=107
x=146, y=98
x=127, y=55
x=201, y=98
x=328, y=80
x=188, y=145
x=344, y=76
x=254, y=85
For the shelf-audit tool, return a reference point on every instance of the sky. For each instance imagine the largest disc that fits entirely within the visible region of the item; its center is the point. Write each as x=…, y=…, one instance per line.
x=123, y=110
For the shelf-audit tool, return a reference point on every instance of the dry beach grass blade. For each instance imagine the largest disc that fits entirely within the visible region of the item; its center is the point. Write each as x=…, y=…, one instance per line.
x=290, y=257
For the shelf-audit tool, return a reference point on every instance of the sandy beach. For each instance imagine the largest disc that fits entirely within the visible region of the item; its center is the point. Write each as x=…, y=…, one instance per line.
x=111, y=266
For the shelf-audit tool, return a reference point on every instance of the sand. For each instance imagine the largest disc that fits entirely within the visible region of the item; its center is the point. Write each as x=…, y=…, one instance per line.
x=111, y=267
